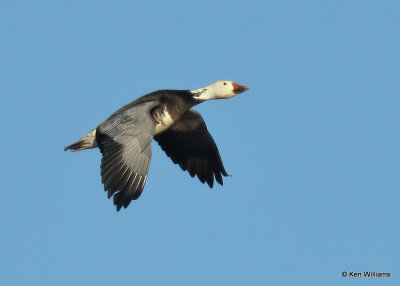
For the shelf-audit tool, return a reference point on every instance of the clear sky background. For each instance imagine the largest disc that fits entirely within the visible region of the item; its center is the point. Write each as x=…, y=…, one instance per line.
x=313, y=147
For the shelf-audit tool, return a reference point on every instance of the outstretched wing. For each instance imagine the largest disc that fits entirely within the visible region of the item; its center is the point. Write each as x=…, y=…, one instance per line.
x=124, y=140
x=188, y=143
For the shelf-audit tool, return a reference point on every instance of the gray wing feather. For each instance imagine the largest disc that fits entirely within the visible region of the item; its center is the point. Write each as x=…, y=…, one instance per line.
x=125, y=142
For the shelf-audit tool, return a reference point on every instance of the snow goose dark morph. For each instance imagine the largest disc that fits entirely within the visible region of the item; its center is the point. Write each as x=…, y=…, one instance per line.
x=166, y=116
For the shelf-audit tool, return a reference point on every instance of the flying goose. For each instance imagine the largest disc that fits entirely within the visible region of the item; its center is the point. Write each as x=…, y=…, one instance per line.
x=124, y=139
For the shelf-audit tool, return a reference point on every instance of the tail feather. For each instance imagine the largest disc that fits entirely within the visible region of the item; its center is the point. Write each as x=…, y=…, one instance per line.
x=86, y=142
x=77, y=146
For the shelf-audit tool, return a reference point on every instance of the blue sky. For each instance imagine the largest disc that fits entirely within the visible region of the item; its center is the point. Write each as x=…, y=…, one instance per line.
x=313, y=146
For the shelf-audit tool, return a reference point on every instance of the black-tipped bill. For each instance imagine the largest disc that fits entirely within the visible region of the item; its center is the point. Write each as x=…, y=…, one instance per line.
x=237, y=88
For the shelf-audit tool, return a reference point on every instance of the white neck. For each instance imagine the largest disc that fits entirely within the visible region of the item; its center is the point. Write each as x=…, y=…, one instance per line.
x=203, y=93
x=217, y=90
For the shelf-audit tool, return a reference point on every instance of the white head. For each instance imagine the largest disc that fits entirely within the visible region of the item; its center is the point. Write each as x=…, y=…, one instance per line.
x=217, y=90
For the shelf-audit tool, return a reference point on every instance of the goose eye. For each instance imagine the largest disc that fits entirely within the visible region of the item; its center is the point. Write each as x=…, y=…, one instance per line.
x=224, y=83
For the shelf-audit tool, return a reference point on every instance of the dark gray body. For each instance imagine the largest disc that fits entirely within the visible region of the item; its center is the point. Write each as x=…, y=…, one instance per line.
x=125, y=138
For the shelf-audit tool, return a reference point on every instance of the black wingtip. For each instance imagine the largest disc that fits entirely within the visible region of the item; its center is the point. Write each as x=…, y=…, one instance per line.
x=117, y=200
x=109, y=194
x=210, y=181
x=121, y=200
